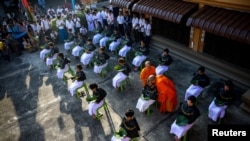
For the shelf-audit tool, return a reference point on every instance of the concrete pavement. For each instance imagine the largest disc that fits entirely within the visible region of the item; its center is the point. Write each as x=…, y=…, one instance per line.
x=36, y=105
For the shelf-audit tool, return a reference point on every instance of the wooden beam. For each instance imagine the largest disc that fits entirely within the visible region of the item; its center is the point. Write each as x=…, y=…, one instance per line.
x=241, y=5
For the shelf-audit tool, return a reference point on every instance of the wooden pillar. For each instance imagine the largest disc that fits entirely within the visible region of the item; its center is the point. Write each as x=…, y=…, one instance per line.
x=197, y=36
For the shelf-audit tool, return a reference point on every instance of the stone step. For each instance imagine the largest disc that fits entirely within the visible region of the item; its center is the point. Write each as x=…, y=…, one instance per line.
x=240, y=76
x=246, y=97
x=245, y=107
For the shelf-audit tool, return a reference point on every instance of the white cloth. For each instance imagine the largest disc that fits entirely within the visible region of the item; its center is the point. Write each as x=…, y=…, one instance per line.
x=194, y=90
x=43, y=53
x=142, y=104
x=148, y=29
x=86, y=57
x=123, y=51
x=93, y=106
x=98, y=69
x=49, y=61
x=97, y=37
x=76, y=84
x=161, y=69
x=90, y=22
x=215, y=112
x=76, y=50
x=103, y=41
x=120, y=139
x=118, y=78
x=60, y=72
x=113, y=45
x=138, y=60
x=180, y=131
x=68, y=44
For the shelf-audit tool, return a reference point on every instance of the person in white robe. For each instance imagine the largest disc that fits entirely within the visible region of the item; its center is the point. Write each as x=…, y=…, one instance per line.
x=89, y=52
x=187, y=114
x=217, y=108
x=148, y=96
x=78, y=80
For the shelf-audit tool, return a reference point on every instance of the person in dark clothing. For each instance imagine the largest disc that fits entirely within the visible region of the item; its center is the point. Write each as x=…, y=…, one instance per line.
x=186, y=116
x=218, y=106
x=101, y=60
x=130, y=125
x=62, y=66
x=149, y=95
x=199, y=81
x=97, y=100
x=89, y=49
x=140, y=55
x=52, y=55
x=123, y=71
x=78, y=79
x=165, y=60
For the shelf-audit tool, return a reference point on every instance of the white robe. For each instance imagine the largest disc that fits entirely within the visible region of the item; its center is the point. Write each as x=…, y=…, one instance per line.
x=97, y=37
x=113, y=45
x=215, y=112
x=124, y=50
x=120, y=139
x=161, y=69
x=98, y=69
x=138, y=60
x=49, y=61
x=179, y=131
x=60, y=72
x=194, y=90
x=93, y=106
x=103, y=41
x=90, y=22
x=118, y=78
x=76, y=50
x=86, y=57
x=142, y=104
x=76, y=84
x=68, y=44
x=44, y=52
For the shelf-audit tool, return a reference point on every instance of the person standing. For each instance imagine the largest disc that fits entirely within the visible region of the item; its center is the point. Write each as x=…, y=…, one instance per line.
x=186, y=116
x=121, y=21
x=147, y=32
x=63, y=35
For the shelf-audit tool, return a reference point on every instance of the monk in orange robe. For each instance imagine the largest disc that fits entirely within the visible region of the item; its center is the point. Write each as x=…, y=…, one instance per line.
x=146, y=72
x=167, y=95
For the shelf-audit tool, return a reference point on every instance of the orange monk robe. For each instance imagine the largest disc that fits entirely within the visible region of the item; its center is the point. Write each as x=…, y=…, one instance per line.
x=167, y=96
x=145, y=73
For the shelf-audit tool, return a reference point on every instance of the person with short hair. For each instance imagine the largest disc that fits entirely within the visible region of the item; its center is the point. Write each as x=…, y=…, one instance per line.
x=52, y=54
x=97, y=100
x=89, y=52
x=101, y=60
x=165, y=60
x=78, y=79
x=217, y=108
x=62, y=67
x=130, y=127
x=199, y=81
x=46, y=49
x=70, y=40
x=76, y=50
x=187, y=114
x=140, y=55
x=123, y=72
x=149, y=95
